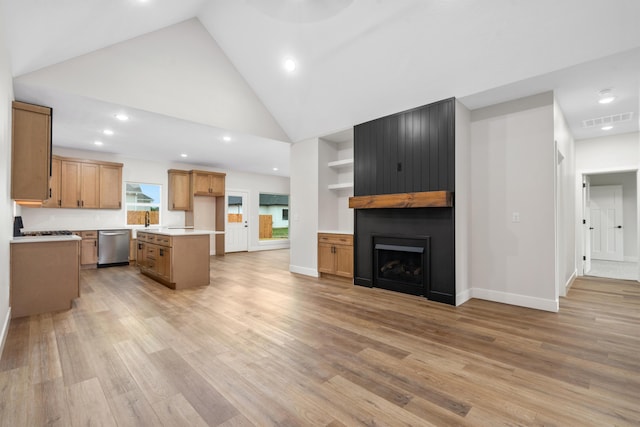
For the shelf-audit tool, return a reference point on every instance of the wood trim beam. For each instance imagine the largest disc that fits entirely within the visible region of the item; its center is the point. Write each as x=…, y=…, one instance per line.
x=424, y=199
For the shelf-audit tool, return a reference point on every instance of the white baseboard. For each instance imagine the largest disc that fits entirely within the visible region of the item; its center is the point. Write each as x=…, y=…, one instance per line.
x=515, y=299
x=569, y=283
x=463, y=297
x=303, y=270
x=5, y=331
x=631, y=259
x=268, y=246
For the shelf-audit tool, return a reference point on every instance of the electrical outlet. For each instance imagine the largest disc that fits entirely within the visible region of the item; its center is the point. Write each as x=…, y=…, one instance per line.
x=515, y=217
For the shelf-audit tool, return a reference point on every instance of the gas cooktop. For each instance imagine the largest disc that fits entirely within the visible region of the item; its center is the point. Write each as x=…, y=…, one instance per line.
x=48, y=233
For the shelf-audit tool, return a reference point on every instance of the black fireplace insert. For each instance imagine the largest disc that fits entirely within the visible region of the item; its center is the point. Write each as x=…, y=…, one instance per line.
x=401, y=263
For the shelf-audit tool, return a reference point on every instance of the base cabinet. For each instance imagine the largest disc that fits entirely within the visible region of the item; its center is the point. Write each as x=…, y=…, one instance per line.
x=45, y=276
x=178, y=262
x=335, y=254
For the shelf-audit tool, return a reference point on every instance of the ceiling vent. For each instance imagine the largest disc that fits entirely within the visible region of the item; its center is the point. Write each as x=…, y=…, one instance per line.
x=607, y=120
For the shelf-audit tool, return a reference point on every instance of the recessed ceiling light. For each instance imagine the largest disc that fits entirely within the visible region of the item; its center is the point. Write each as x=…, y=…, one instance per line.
x=275, y=169
x=97, y=143
x=289, y=65
x=183, y=155
x=609, y=127
x=606, y=97
x=122, y=117
x=107, y=132
x=226, y=138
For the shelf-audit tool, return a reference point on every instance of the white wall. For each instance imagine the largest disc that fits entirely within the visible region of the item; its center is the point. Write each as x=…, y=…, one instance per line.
x=512, y=172
x=178, y=71
x=628, y=181
x=303, y=216
x=617, y=153
x=565, y=203
x=462, y=202
x=6, y=205
x=145, y=171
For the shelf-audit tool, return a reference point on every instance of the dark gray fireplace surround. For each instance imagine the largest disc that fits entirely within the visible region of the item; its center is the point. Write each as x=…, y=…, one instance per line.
x=406, y=154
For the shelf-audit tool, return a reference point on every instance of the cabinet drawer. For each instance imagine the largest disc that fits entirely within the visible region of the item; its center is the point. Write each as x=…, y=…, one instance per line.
x=151, y=238
x=152, y=252
x=89, y=234
x=141, y=237
x=336, y=239
x=163, y=240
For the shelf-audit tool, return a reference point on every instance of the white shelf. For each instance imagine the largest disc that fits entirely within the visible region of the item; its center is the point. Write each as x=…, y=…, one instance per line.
x=341, y=163
x=340, y=186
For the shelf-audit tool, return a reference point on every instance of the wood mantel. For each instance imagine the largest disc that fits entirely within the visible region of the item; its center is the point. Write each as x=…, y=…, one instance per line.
x=423, y=199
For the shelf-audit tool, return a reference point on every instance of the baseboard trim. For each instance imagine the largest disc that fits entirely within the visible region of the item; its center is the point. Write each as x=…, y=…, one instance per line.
x=303, y=270
x=463, y=297
x=515, y=299
x=569, y=283
x=5, y=331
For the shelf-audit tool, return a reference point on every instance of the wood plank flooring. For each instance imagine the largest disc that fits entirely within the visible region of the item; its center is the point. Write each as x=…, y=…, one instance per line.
x=263, y=347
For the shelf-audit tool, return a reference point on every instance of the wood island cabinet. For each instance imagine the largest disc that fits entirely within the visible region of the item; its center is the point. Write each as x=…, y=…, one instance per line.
x=179, y=190
x=30, y=152
x=177, y=262
x=335, y=254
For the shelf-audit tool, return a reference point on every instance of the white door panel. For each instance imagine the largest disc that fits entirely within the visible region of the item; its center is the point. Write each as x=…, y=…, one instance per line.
x=606, y=223
x=237, y=218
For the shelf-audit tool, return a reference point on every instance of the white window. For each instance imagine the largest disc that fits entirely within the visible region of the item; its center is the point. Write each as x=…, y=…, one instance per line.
x=143, y=200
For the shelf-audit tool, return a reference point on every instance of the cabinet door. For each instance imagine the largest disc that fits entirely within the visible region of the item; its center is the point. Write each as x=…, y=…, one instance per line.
x=217, y=185
x=140, y=255
x=54, y=186
x=344, y=261
x=326, y=258
x=89, y=186
x=179, y=197
x=31, y=152
x=110, y=187
x=69, y=184
x=201, y=184
x=164, y=262
x=89, y=251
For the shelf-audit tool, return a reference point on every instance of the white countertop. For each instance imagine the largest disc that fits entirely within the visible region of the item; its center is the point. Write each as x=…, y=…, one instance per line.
x=335, y=232
x=40, y=239
x=178, y=231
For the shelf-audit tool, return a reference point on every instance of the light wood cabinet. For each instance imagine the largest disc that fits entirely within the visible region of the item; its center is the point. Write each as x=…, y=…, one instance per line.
x=30, y=152
x=89, y=248
x=133, y=250
x=45, y=276
x=110, y=186
x=207, y=183
x=335, y=254
x=175, y=261
x=54, y=186
x=86, y=184
x=180, y=198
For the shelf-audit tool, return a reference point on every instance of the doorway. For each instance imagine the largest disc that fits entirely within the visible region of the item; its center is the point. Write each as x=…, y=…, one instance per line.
x=237, y=226
x=610, y=226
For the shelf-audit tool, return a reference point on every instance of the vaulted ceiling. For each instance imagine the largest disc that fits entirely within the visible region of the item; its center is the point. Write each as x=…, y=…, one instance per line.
x=194, y=71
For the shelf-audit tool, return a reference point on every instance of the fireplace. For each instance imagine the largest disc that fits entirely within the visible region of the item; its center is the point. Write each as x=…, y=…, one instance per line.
x=401, y=263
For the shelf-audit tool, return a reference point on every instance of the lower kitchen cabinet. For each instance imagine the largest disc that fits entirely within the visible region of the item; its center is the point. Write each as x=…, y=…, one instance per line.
x=45, y=276
x=335, y=254
x=179, y=262
x=89, y=248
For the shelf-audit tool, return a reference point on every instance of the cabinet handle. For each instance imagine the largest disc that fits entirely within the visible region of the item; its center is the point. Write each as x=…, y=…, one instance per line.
x=82, y=203
x=119, y=204
x=161, y=252
x=59, y=202
x=95, y=243
x=174, y=205
x=78, y=203
x=139, y=246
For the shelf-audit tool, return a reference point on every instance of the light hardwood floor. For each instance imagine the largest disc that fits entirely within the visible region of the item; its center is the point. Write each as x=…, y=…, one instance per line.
x=261, y=346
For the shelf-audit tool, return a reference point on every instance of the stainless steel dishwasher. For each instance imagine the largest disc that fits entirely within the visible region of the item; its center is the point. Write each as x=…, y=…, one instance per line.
x=113, y=248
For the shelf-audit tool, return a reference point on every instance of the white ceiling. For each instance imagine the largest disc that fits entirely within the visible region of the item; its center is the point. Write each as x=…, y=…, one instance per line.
x=357, y=60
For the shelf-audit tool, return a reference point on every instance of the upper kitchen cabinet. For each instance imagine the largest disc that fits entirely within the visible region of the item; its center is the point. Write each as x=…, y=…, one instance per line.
x=179, y=190
x=54, y=185
x=30, y=152
x=89, y=184
x=207, y=183
x=110, y=186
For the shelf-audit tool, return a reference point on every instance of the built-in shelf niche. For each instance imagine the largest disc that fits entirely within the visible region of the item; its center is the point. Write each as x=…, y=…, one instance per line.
x=339, y=164
x=341, y=186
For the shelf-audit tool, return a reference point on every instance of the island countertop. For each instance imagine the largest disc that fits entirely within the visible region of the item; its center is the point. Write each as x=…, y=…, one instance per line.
x=178, y=231
x=41, y=239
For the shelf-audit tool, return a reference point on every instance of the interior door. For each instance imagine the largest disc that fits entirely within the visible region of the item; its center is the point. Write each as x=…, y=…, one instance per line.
x=586, y=226
x=237, y=227
x=606, y=222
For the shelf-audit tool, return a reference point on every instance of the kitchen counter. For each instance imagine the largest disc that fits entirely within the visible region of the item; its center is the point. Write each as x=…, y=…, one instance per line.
x=178, y=231
x=40, y=239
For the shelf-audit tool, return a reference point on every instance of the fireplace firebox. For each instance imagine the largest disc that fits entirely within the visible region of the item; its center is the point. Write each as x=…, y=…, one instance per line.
x=401, y=263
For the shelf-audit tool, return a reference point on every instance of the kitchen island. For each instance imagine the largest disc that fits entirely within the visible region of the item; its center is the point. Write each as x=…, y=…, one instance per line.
x=177, y=258
x=45, y=274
